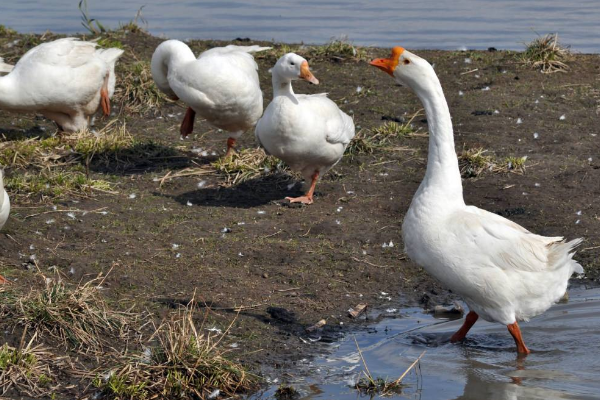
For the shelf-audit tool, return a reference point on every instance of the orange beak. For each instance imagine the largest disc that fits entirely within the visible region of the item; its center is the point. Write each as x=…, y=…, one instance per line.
x=306, y=74
x=388, y=65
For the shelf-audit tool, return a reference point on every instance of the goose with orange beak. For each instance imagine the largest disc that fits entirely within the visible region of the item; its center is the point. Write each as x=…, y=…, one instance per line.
x=308, y=132
x=503, y=272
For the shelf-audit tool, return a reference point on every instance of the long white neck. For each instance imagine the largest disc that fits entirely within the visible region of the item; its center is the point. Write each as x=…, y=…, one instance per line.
x=169, y=55
x=442, y=178
x=283, y=87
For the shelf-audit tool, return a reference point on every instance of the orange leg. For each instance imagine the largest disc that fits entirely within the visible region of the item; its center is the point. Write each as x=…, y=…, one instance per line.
x=104, y=100
x=230, y=149
x=187, y=125
x=515, y=331
x=3, y=280
x=308, y=197
x=470, y=320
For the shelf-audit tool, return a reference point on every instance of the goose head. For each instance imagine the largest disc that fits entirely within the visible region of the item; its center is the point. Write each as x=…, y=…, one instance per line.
x=406, y=68
x=292, y=67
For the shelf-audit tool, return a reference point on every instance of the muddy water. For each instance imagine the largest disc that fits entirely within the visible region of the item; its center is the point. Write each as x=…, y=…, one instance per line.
x=564, y=363
x=433, y=24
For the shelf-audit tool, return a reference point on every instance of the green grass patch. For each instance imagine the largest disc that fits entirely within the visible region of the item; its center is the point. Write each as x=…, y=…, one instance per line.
x=26, y=369
x=54, y=184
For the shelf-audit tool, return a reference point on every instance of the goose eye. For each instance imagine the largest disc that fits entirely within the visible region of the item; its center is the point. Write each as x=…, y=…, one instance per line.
x=406, y=61
x=291, y=63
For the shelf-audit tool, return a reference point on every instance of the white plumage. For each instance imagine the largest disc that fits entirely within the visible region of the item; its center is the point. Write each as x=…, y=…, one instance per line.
x=4, y=209
x=221, y=85
x=309, y=132
x=504, y=272
x=65, y=80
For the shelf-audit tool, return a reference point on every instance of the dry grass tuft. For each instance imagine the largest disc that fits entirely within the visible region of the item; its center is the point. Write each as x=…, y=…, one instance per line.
x=473, y=162
x=136, y=91
x=184, y=363
x=26, y=369
x=380, y=138
x=78, y=317
x=545, y=53
x=339, y=49
x=372, y=386
x=247, y=164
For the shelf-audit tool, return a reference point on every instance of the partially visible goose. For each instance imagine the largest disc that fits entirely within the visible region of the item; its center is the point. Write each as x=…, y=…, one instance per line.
x=503, y=272
x=221, y=85
x=308, y=132
x=4, y=208
x=65, y=80
x=4, y=67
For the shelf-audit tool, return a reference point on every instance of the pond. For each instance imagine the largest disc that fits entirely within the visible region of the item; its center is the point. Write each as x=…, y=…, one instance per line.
x=564, y=363
x=432, y=24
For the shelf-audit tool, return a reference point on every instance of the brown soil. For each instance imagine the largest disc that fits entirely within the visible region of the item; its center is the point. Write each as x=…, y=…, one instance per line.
x=316, y=261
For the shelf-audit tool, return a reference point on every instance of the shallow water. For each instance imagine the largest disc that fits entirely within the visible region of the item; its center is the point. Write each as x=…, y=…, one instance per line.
x=564, y=363
x=438, y=24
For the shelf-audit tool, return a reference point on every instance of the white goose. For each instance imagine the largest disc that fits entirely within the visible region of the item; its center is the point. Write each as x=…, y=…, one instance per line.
x=308, y=132
x=65, y=80
x=4, y=67
x=221, y=85
x=4, y=208
x=503, y=272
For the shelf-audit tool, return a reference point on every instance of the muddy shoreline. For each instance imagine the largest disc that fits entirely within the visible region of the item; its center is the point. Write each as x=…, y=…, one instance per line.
x=245, y=254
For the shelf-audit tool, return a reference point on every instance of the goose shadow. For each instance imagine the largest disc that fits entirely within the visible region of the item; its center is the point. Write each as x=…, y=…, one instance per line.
x=144, y=157
x=37, y=131
x=285, y=321
x=251, y=193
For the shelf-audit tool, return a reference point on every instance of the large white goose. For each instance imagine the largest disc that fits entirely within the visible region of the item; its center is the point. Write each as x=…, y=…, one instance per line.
x=221, y=85
x=4, y=208
x=65, y=80
x=503, y=272
x=308, y=132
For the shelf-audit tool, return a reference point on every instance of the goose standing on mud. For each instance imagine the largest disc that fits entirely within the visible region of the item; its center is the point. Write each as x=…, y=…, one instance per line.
x=503, y=272
x=221, y=85
x=4, y=209
x=65, y=80
x=308, y=132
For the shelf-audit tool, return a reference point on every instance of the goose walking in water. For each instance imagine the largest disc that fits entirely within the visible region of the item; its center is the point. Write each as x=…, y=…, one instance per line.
x=65, y=80
x=221, y=85
x=308, y=132
x=503, y=272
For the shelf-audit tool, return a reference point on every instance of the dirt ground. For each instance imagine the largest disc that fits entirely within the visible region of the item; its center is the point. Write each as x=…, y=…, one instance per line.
x=242, y=245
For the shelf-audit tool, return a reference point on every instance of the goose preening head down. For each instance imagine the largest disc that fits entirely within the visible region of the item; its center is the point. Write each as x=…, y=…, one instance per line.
x=503, y=272
x=221, y=85
x=65, y=80
x=308, y=132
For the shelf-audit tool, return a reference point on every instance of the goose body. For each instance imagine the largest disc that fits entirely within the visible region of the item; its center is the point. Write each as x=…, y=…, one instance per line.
x=503, y=272
x=4, y=209
x=309, y=132
x=221, y=85
x=65, y=80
